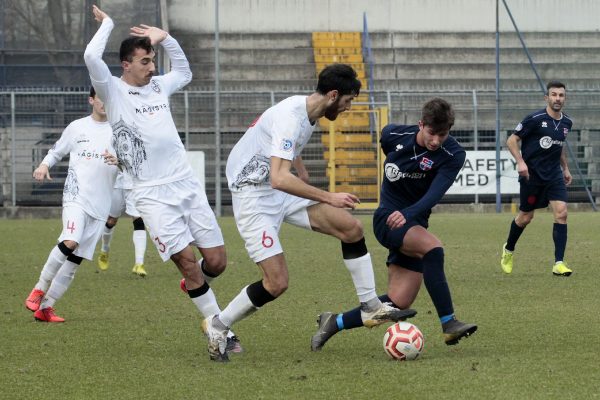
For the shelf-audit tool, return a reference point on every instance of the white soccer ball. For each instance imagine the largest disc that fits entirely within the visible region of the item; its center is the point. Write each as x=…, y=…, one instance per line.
x=403, y=341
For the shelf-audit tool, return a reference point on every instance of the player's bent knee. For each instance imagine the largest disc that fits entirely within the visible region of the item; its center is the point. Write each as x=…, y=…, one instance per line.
x=71, y=245
x=353, y=232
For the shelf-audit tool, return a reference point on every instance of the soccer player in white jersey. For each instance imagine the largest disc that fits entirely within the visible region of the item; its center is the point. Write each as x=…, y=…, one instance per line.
x=265, y=193
x=167, y=195
x=123, y=202
x=86, y=201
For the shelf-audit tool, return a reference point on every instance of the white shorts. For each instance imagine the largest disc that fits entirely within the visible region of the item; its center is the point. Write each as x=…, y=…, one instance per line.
x=259, y=220
x=122, y=201
x=82, y=228
x=177, y=214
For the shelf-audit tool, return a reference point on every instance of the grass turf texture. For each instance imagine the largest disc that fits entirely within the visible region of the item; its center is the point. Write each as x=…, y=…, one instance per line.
x=131, y=338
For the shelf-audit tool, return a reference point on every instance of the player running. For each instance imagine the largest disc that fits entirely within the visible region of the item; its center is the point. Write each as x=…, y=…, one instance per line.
x=86, y=202
x=543, y=174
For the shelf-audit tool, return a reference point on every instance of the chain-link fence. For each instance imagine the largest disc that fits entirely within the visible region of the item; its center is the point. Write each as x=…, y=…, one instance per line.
x=30, y=122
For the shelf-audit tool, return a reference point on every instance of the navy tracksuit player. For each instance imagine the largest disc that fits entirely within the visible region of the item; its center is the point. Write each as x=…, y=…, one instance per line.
x=543, y=174
x=422, y=162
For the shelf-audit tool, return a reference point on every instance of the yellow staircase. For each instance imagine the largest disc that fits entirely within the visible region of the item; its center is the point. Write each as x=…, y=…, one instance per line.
x=355, y=153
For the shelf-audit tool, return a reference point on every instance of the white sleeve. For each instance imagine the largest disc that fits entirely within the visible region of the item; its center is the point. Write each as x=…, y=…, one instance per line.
x=180, y=74
x=61, y=148
x=99, y=72
x=284, y=136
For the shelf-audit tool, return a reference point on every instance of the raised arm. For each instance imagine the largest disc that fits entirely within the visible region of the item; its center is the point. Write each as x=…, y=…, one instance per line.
x=97, y=68
x=180, y=74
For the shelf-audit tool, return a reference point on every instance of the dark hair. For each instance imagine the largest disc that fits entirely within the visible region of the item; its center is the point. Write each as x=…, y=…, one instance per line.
x=554, y=84
x=92, y=91
x=129, y=45
x=340, y=77
x=438, y=114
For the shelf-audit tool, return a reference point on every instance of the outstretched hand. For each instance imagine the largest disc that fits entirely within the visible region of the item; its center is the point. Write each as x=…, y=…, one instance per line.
x=155, y=34
x=99, y=15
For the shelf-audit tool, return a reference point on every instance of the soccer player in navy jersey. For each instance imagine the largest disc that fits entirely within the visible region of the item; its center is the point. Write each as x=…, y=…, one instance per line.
x=543, y=174
x=421, y=164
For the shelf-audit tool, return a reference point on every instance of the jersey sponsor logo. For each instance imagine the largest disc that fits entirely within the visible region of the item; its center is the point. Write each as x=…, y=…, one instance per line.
x=426, y=164
x=393, y=173
x=150, y=110
x=544, y=124
x=155, y=86
x=88, y=155
x=287, y=145
x=546, y=142
x=519, y=127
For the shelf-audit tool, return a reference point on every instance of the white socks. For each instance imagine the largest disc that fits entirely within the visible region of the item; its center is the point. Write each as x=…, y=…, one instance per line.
x=139, y=245
x=55, y=260
x=361, y=270
x=106, y=238
x=239, y=308
x=60, y=284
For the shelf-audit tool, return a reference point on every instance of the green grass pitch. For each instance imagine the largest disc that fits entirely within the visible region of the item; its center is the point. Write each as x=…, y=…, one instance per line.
x=133, y=338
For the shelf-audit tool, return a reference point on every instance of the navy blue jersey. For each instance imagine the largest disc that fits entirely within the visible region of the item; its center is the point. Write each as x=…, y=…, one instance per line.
x=542, y=140
x=415, y=179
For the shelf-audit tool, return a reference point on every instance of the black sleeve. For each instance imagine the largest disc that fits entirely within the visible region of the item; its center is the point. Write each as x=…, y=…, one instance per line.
x=440, y=184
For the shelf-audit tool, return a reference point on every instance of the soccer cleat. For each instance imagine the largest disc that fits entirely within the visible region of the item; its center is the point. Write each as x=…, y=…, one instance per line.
x=454, y=330
x=327, y=328
x=182, y=285
x=103, y=260
x=47, y=315
x=139, y=270
x=34, y=299
x=386, y=313
x=233, y=345
x=506, y=262
x=217, y=340
x=561, y=269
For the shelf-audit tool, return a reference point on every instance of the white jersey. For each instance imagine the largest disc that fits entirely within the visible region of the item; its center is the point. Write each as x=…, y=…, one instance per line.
x=123, y=181
x=90, y=180
x=145, y=138
x=281, y=131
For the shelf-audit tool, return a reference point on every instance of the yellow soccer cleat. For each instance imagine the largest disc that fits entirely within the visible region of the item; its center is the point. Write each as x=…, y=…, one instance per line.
x=139, y=270
x=561, y=269
x=506, y=262
x=103, y=260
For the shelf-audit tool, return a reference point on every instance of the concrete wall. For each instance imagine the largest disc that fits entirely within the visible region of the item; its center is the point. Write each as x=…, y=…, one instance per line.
x=383, y=15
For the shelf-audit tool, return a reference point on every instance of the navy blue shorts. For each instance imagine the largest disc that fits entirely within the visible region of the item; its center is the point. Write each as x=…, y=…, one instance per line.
x=534, y=196
x=392, y=239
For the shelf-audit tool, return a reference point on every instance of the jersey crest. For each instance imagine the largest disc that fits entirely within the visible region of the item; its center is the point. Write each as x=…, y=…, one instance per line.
x=426, y=164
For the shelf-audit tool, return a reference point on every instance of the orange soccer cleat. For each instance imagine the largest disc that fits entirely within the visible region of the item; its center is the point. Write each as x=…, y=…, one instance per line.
x=34, y=299
x=47, y=315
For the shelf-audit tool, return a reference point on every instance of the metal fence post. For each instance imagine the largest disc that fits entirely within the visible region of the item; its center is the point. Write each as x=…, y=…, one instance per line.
x=476, y=133
x=13, y=149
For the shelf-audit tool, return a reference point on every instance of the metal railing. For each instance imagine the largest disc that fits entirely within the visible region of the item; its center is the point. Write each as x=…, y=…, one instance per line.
x=31, y=121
